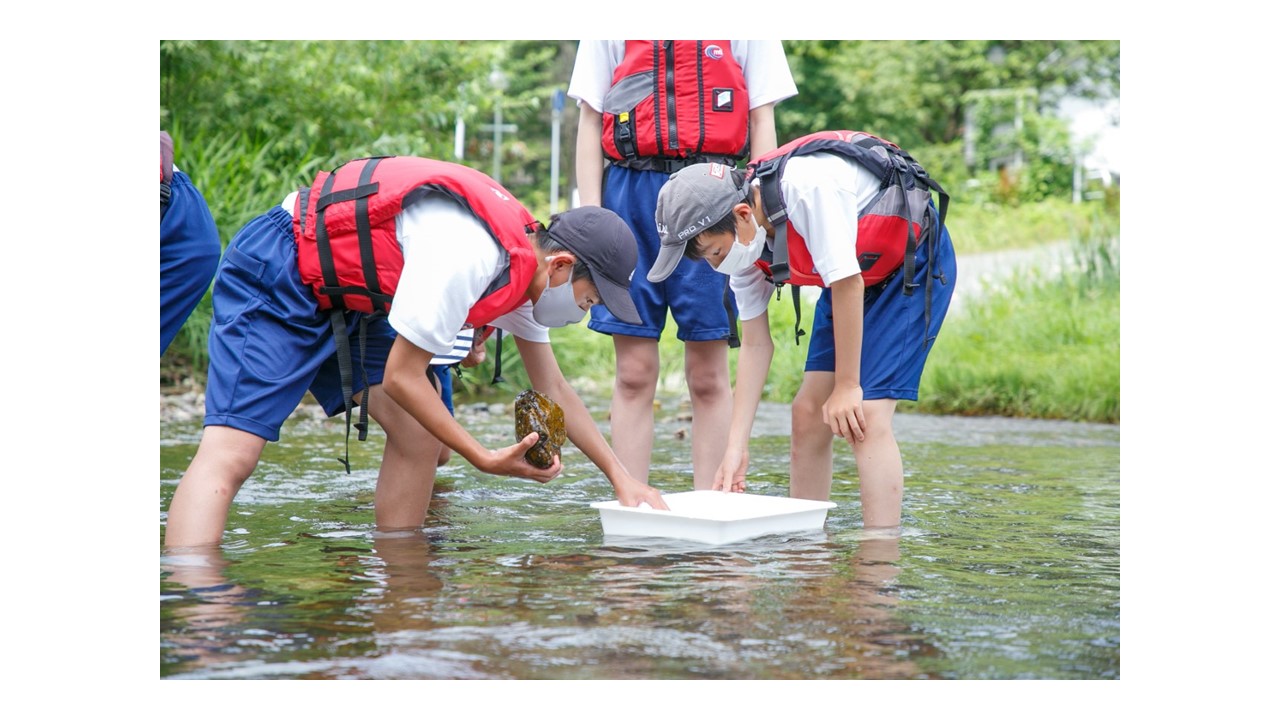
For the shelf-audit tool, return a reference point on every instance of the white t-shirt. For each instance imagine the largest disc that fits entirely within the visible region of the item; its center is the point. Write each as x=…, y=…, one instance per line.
x=824, y=194
x=461, y=349
x=449, y=261
x=763, y=63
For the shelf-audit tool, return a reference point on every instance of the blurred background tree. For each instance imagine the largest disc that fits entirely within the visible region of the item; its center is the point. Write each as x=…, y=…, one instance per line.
x=968, y=110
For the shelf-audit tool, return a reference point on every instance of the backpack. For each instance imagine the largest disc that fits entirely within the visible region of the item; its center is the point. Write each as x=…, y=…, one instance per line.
x=890, y=228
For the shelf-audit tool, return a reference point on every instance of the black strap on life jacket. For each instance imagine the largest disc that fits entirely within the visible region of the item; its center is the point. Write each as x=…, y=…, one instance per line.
x=373, y=290
x=337, y=321
x=909, y=258
x=932, y=236
x=767, y=256
x=670, y=165
x=165, y=193
x=731, y=316
x=775, y=211
x=624, y=135
x=780, y=272
x=497, y=360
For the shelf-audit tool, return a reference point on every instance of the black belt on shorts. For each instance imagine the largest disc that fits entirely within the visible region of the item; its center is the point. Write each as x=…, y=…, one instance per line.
x=669, y=165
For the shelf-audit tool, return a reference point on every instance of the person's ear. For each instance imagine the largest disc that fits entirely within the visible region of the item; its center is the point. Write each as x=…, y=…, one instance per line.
x=561, y=260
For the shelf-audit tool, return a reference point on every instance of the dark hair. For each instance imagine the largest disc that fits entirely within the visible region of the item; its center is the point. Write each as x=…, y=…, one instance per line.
x=544, y=242
x=725, y=224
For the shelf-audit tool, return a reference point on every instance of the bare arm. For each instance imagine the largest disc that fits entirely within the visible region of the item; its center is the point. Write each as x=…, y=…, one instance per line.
x=764, y=136
x=588, y=157
x=406, y=382
x=754, y=358
x=544, y=373
x=843, y=410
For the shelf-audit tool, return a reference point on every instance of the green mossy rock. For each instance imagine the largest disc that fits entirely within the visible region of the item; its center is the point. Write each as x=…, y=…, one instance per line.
x=538, y=413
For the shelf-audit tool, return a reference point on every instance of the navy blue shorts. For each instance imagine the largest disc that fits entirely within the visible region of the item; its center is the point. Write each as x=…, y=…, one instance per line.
x=694, y=294
x=269, y=343
x=893, y=328
x=444, y=375
x=189, y=251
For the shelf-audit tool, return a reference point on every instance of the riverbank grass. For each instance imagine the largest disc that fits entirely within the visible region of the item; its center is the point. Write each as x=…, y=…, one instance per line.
x=1037, y=347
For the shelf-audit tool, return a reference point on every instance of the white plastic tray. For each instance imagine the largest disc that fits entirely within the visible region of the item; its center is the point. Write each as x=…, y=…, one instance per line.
x=714, y=517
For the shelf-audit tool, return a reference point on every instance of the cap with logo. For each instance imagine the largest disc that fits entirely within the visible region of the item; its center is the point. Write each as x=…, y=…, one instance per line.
x=599, y=238
x=693, y=199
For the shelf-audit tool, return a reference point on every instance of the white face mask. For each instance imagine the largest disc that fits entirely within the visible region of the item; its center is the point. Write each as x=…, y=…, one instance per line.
x=557, y=307
x=741, y=257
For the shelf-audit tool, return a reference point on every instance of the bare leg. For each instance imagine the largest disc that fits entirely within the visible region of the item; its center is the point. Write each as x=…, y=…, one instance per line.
x=880, y=466
x=631, y=412
x=811, y=438
x=706, y=372
x=198, y=513
x=408, y=473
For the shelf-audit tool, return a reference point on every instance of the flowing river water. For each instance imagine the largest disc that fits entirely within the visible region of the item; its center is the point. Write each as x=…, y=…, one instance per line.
x=1007, y=566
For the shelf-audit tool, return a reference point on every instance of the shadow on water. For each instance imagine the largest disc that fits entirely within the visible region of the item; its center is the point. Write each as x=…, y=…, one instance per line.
x=1007, y=567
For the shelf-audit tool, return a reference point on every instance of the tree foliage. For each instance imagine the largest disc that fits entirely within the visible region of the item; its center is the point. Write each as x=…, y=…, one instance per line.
x=917, y=94
x=336, y=100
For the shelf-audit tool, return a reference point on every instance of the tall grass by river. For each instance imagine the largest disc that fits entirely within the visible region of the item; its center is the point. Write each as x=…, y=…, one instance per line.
x=1039, y=346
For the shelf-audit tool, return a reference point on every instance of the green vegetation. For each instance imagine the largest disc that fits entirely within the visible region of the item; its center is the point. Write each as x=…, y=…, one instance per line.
x=988, y=227
x=254, y=120
x=1041, y=347
x=586, y=357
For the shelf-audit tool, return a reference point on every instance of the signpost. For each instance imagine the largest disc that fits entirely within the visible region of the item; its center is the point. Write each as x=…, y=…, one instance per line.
x=557, y=110
x=498, y=80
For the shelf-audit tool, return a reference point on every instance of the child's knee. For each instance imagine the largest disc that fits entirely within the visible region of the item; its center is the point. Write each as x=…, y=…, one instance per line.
x=806, y=412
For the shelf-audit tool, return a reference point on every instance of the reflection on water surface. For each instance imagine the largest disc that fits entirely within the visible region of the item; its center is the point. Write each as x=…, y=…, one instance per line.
x=1007, y=567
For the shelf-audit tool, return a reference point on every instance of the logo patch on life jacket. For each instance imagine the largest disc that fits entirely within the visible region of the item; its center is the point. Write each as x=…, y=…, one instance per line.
x=722, y=100
x=714, y=52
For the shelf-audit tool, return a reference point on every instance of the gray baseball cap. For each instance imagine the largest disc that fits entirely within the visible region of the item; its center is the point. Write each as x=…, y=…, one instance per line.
x=693, y=199
x=603, y=241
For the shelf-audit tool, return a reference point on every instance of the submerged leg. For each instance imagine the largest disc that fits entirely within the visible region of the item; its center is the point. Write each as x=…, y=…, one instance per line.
x=631, y=412
x=880, y=466
x=408, y=473
x=706, y=371
x=198, y=513
x=811, y=438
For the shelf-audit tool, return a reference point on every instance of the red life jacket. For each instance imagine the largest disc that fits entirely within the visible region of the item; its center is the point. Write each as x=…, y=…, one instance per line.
x=890, y=228
x=672, y=100
x=352, y=260
x=345, y=226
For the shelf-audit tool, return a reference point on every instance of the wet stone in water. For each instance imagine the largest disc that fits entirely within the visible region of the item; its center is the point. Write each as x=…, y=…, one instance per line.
x=538, y=413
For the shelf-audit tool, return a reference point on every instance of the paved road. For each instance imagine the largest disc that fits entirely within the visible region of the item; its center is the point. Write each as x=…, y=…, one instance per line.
x=979, y=272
